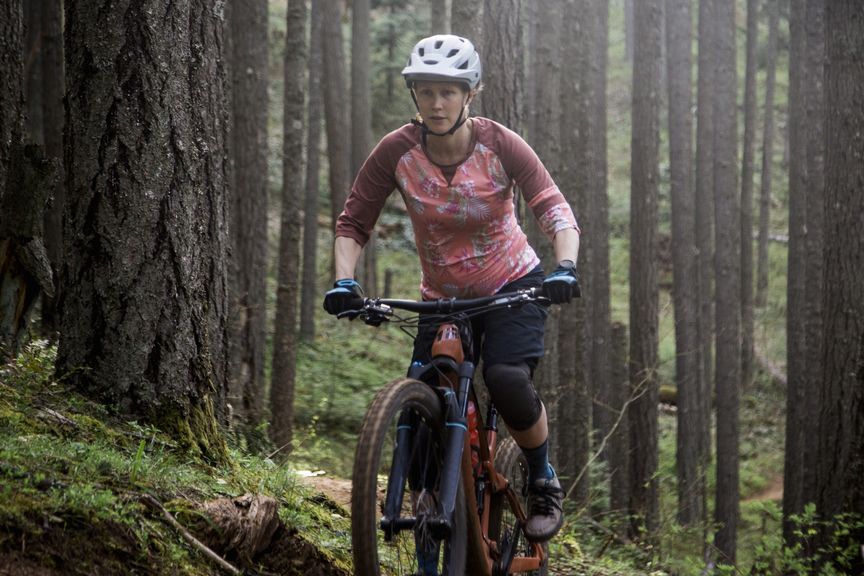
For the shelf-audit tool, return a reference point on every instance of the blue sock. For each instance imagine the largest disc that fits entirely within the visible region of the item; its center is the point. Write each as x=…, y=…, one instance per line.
x=538, y=462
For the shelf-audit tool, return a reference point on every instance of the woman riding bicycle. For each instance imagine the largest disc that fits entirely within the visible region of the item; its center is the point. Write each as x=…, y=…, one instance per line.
x=457, y=175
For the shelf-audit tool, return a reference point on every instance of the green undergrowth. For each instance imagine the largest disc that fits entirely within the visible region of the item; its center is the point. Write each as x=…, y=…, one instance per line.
x=73, y=475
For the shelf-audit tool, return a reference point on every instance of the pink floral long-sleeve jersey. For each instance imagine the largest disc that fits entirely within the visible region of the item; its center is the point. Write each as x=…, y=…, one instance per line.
x=469, y=241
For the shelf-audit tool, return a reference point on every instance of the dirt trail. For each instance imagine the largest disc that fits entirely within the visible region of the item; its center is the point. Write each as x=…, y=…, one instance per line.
x=336, y=489
x=773, y=491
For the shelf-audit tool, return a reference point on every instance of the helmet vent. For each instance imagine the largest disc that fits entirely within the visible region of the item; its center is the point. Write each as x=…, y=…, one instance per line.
x=421, y=51
x=438, y=44
x=464, y=65
x=452, y=53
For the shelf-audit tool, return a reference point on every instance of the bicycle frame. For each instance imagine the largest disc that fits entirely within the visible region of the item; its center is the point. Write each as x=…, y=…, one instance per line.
x=483, y=553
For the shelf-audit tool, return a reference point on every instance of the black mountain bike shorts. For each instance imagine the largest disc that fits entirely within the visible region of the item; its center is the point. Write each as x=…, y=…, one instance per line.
x=505, y=336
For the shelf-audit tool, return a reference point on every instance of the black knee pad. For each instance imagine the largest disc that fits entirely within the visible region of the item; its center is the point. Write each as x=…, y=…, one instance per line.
x=513, y=393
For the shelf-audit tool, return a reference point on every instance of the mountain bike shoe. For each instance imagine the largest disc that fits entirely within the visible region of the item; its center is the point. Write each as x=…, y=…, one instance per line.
x=545, y=512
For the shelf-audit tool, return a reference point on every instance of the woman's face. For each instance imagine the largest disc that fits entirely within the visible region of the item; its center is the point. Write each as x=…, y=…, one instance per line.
x=440, y=103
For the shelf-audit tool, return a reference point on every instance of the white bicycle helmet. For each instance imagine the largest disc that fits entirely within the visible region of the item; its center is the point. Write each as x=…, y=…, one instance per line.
x=444, y=57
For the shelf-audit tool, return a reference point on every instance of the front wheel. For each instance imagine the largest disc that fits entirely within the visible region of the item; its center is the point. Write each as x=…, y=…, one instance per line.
x=503, y=526
x=397, y=468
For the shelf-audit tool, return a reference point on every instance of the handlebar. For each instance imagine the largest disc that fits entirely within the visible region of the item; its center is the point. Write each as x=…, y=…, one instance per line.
x=374, y=311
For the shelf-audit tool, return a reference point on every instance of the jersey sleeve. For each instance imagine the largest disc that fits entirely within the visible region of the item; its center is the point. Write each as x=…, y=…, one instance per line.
x=374, y=183
x=541, y=194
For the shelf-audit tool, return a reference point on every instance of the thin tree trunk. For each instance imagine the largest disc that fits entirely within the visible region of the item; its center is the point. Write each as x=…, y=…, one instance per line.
x=361, y=120
x=574, y=406
x=767, y=155
x=248, y=26
x=727, y=274
x=840, y=462
x=285, y=330
x=548, y=146
x=705, y=226
x=619, y=442
x=748, y=152
x=644, y=505
x=144, y=322
x=796, y=342
x=11, y=82
x=311, y=297
x=691, y=484
x=598, y=235
x=335, y=107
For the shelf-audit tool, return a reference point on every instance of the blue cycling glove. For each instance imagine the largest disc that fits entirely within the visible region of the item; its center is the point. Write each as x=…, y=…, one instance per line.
x=341, y=297
x=562, y=285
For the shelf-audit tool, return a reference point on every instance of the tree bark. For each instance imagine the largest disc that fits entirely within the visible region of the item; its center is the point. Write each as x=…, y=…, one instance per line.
x=466, y=20
x=643, y=273
x=727, y=274
x=311, y=297
x=248, y=26
x=32, y=59
x=11, y=82
x=747, y=156
x=285, y=330
x=840, y=462
x=691, y=484
x=144, y=298
x=767, y=155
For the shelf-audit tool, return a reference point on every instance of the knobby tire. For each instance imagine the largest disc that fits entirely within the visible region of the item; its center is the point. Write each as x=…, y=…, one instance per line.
x=372, y=554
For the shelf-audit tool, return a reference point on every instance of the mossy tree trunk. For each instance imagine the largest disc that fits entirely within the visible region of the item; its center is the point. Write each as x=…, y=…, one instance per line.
x=144, y=299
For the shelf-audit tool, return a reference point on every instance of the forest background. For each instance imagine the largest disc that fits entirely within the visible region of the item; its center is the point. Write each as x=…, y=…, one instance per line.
x=198, y=171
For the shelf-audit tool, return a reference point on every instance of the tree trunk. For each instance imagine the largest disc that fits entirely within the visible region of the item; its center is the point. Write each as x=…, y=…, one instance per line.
x=628, y=29
x=644, y=319
x=796, y=341
x=466, y=20
x=691, y=484
x=361, y=120
x=335, y=107
x=747, y=155
x=840, y=461
x=767, y=155
x=814, y=142
x=438, y=17
x=574, y=405
x=502, y=62
x=287, y=297
x=53, y=87
x=619, y=441
x=311, y=297
x=248, y=27
x=727, y=274
x=547, y=65
x=705, y=225
x=144, y=323
x=597, y=235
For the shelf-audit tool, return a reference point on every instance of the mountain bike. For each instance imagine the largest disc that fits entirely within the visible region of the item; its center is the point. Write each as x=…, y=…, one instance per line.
x=434, y=492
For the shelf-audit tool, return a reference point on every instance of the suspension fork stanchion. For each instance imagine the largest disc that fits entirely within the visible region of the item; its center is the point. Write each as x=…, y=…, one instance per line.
x=398, y=474
x=457, y=429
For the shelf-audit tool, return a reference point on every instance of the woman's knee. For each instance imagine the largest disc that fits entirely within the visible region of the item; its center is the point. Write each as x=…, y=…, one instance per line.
x=513, y=393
